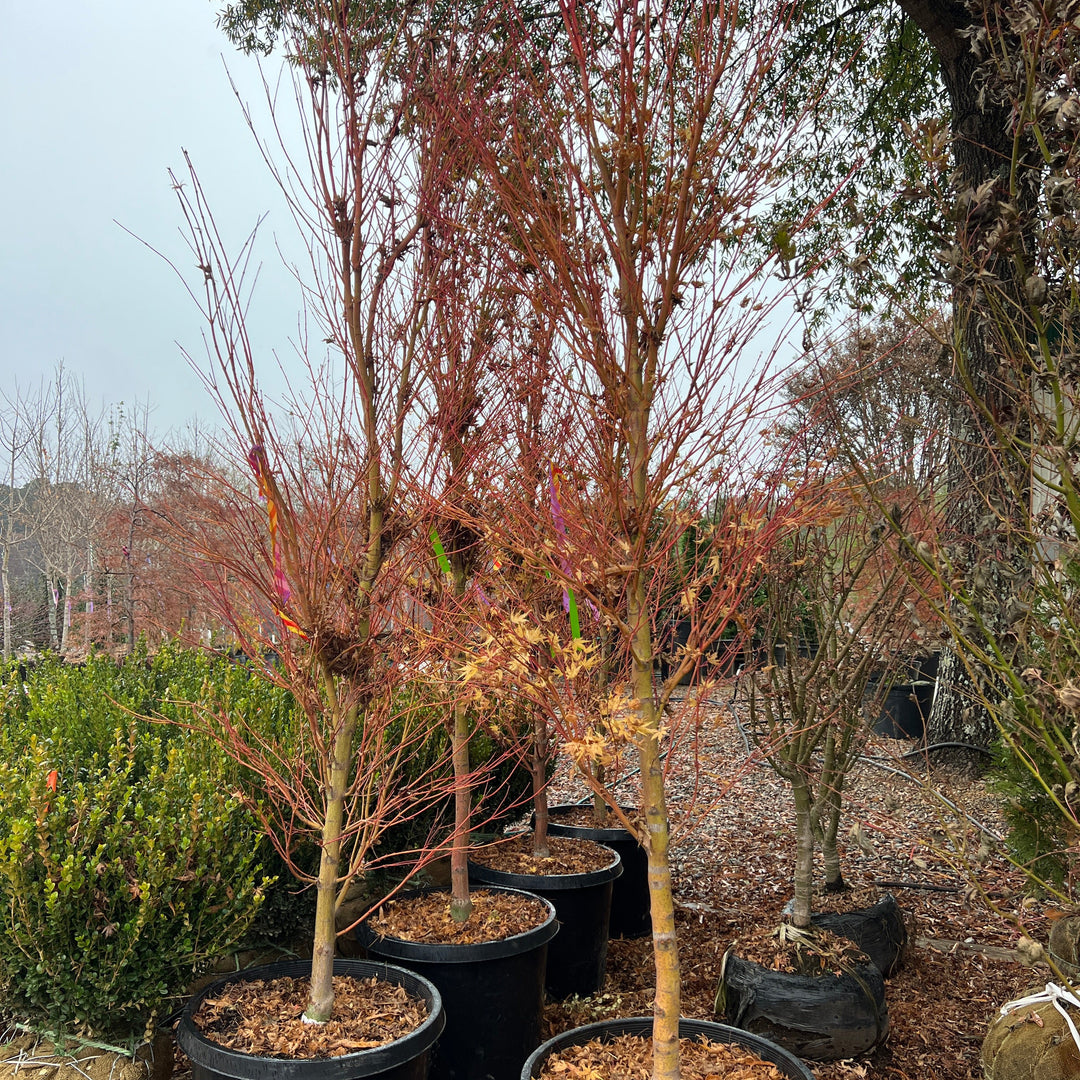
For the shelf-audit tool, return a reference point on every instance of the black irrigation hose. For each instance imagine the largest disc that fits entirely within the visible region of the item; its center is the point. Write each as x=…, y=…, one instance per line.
x=926, y=886
x=943, y=745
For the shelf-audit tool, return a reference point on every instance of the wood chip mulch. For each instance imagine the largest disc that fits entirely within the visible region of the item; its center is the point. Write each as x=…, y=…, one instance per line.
x=567, y=856
x=584, y=817
x=264, y=1017
x=629, y=1057
x=427, y=918
x=733, y=856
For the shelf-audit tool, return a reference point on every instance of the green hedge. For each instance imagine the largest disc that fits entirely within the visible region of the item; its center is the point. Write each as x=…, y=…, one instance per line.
x=116, y=889
x=120, y=885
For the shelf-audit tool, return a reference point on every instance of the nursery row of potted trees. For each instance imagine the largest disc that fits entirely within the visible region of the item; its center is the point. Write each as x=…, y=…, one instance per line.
x=535, y=255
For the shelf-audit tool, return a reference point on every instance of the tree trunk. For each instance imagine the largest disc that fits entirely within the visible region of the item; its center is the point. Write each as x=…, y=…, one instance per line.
x=5, y=588
x=956, y=715
x=986, y=494
x=321, y=991
x=460, y=903
x=804, y=854
x=538, y=767
x=54, y=614
x=65, y=628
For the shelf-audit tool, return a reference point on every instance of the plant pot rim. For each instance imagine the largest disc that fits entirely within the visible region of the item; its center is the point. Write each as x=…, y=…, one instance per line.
x=458, y=952
x=235, y=1063
x=637, y=1025
x=603, y=834
x=549, y=882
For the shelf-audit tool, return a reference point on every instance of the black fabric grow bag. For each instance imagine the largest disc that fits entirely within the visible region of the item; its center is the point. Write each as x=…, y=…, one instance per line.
x=825, y=1017
x=878, y=930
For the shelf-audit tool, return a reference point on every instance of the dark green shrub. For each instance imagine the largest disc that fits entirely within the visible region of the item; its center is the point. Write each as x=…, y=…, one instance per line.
x=116, y=889
x=494, y=754
x=141, y=867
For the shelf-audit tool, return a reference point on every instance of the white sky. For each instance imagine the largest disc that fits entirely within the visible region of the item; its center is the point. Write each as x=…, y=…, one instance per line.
x=96, y=101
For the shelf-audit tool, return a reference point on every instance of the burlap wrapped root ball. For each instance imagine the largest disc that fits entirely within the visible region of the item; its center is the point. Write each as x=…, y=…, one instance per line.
x=1020, y=1047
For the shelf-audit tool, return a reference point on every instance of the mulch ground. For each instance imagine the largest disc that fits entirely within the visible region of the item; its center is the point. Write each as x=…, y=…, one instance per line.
x=732, y=859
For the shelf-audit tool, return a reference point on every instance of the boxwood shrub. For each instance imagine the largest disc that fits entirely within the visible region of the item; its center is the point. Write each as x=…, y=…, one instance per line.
x=126, y=864
x=126, y=861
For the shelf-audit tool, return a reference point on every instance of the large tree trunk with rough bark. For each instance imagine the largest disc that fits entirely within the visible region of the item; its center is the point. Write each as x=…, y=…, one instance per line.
x=986, y=493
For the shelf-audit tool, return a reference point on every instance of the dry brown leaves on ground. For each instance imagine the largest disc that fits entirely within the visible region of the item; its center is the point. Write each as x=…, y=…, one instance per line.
x=515, y=856
x=629, y=1057
x=264, y=1017
x=427, y=918
x=584, y=817
x=733, y=858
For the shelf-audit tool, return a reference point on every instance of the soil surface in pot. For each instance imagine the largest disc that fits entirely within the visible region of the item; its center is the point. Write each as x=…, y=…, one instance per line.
x=847, y=900
x=426, y=918
x=568, y=856
x=630, y=1057
x=263, y=1017
x=584, y=817
x=819, y=952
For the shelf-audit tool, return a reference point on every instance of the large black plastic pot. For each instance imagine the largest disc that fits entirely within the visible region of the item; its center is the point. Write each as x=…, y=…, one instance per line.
x=722, y=659
x=826, y=1017
x=407, y=1058
x=631, y=916
x=493, y=993
x=787, y=1064
x=904, y=711
x=577, y=958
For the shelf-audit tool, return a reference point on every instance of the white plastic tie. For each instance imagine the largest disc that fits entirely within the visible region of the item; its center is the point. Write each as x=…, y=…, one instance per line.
x=1055, y=995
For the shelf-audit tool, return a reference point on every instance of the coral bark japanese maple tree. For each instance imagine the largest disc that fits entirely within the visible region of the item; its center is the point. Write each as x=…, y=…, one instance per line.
x=627, y=152
x=325, y=538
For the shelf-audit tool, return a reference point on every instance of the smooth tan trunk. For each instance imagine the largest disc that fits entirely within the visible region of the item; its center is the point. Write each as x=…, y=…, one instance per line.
x=321, y=994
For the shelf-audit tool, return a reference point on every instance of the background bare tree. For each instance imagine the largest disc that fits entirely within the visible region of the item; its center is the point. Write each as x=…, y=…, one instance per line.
x=880, y=392
x=23, y=417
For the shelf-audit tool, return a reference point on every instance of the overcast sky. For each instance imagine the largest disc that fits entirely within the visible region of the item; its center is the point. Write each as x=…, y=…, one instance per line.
x=98, y=98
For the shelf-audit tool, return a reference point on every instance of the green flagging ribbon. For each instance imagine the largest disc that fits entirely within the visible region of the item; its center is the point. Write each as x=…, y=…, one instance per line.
x=440, y=553
x=571, y=610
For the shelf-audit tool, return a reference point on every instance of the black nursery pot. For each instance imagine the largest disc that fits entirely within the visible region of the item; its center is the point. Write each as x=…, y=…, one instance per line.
x=788, y=1065
x=904, y=711
x=406, y=1058
x=493, y=993
x=631, y=916
x=577, y=958
x=826, y=1017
